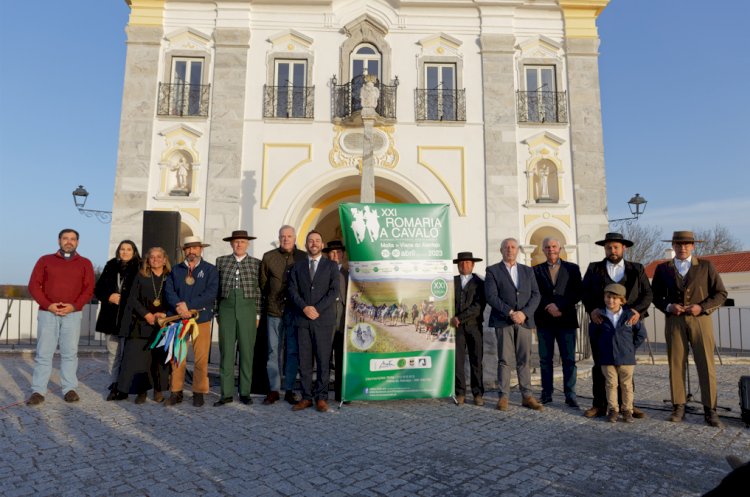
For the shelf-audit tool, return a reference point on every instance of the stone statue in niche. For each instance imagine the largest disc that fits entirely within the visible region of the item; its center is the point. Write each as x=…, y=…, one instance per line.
x=544, y=176
x=181, y=169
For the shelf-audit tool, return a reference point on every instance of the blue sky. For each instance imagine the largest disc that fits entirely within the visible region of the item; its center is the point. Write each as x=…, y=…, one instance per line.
x=674, y=97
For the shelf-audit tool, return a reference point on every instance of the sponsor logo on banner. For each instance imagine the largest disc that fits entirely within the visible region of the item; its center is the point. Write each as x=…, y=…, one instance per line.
x=394, y=363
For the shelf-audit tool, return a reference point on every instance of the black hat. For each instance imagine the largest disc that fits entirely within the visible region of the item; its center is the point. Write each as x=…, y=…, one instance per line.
x=334, y=245
x=466, y=256
x=615, y=237
x=238, y=235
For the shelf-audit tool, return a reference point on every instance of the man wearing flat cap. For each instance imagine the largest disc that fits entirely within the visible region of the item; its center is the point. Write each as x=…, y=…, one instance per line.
x=335, y=251
x=239, y=308
x=613, y=269
x=687, y=290
x=193, y=285
x=469, y=302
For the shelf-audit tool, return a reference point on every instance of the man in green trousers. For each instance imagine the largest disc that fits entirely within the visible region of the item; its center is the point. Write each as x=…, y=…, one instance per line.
x=239, y=308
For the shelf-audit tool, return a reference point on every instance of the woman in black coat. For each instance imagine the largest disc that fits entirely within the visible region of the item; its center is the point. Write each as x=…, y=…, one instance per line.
x=143, y=367
x=112, y=289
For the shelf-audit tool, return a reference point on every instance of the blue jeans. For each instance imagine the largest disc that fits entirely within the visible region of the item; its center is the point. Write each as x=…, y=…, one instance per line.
x=51, y=331
x=566, y=344
x=282, y=328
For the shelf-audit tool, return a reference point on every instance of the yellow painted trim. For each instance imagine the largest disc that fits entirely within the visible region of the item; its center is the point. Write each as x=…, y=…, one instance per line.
x=460, y=206
x=565, y=218
x=265, y=202
x=580, y=17
x=530, y=218
x=146, y=12
x=322, y=204
x=193, y=211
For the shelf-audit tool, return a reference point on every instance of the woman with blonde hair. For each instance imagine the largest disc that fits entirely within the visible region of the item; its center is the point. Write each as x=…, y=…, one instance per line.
x=143, y=368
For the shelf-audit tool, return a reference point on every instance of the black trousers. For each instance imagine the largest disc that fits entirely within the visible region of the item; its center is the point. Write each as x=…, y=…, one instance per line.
x=471, y=340
x=315, y=343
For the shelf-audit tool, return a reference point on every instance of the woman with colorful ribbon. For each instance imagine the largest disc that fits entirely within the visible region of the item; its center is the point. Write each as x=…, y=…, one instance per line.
x=144, y=368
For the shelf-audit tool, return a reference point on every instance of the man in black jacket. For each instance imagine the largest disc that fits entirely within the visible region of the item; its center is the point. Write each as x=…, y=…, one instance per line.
x=470, y=302
x=557, y=319
x=613, y=269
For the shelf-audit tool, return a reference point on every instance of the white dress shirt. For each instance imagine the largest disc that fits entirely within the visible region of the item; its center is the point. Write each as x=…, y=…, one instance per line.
x=614, y=317
x=683, y=266
x=616, y=271
x=513, y=270
x=465, y=278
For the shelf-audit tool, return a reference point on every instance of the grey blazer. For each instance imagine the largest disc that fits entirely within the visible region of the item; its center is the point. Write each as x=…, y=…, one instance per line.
x=503, y=297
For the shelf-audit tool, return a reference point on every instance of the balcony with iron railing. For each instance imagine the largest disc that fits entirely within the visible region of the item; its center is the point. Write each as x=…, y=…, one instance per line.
x=440, y=104
x=288, y=102
x=182, y=99
x=345, y=99
x=542, y=107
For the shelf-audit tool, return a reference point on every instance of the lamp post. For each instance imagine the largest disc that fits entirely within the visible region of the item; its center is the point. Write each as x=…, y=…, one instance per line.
x=80, y=195
x=637, y=205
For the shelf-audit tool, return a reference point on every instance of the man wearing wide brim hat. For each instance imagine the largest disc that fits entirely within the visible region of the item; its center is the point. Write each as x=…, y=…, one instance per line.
x=469, y=303
x=193, y=285
x=687, y=290
x=239, y=307
x=335, y=251
x=613, y=269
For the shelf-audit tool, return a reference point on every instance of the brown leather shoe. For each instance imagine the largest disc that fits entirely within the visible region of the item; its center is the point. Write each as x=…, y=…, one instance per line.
x=612, y=416
x=678, y=413
x=460, y=399
x=290, y=397
x=478, y=400
x=141, y=398
x=302, y=404
x=71, y=396
x=321, y=406
x=174, y=399
x=35, y=399
x=532, y=403
x=627, y=416
x=638, y=414
x=502, y=404
x=271, y=398
x=712, y=417
x=595, y=412
x=158, y=396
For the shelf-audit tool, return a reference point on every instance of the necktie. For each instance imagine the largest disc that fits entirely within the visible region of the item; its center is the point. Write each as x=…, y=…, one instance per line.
x=312, y=268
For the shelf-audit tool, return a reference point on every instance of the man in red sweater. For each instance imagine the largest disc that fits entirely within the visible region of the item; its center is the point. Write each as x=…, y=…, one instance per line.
x=61, y=283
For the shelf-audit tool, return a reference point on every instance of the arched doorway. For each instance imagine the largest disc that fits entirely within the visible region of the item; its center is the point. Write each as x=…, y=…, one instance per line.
x=321, y=211
x=537, y=256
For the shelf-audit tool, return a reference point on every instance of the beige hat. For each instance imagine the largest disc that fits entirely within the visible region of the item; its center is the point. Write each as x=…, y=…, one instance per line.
x=617, y=289
x=683, y=237
x=193, y=241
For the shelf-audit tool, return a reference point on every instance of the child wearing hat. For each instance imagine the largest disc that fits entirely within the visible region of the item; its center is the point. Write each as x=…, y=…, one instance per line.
x=615, y=342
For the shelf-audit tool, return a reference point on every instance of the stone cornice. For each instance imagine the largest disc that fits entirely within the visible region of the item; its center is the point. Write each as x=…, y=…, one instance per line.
x=580, y=17
x=146, y=12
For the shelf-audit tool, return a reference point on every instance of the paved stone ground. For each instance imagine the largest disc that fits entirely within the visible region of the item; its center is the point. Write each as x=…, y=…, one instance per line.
x=405, y=448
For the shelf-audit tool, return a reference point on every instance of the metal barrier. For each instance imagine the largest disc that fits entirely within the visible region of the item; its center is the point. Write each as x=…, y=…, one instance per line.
x=18, y=319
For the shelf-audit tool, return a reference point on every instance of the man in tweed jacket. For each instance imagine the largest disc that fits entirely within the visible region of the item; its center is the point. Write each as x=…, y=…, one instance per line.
x=239, y=308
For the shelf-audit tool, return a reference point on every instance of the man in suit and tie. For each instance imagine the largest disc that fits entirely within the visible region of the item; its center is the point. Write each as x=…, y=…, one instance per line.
x=687, y=290
x=557, y=319
x=313, y=290
x=613, y=269
x=335, y=251
x=513, y=295
x=470, y=303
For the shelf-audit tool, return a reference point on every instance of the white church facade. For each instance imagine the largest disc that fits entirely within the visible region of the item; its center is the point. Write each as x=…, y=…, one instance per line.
x=245, y=115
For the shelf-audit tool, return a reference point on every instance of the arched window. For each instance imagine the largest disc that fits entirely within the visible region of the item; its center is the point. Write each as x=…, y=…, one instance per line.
x=365, y=57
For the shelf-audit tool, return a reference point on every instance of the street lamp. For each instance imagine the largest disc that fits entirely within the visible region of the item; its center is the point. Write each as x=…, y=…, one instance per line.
x=637, y=205
x=80, y=195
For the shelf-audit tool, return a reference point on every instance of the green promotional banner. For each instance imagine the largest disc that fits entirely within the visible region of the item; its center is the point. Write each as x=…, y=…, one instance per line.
x=398, y=340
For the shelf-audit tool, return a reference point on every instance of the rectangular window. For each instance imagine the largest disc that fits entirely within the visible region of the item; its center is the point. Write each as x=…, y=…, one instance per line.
x=186, y=92
x=291, y=88
x=541, y=91
x=440, y=92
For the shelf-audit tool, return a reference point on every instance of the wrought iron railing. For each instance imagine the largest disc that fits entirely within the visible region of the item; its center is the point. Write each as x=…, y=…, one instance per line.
x=440, y=105
x=542, y=107
x=182, y=99
x=288, y=101
x=345, y=98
